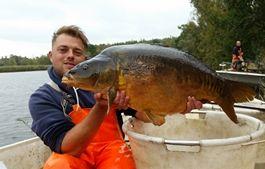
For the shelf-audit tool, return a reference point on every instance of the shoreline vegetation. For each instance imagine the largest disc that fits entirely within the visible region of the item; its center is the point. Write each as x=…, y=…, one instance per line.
x=15, y=63
x=22, y=68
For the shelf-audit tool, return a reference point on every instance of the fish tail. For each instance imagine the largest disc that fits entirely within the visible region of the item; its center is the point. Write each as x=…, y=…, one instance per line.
x=241, y=92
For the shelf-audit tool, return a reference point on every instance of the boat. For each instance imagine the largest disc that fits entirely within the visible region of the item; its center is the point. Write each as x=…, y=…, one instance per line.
x=27, y=154
x=257, y=80
x=246, y=77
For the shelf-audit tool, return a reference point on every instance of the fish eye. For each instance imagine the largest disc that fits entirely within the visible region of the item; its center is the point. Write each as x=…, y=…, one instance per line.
x=85, y=67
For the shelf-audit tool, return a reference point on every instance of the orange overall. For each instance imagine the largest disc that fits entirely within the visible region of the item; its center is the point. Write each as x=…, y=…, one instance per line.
x=107, y=150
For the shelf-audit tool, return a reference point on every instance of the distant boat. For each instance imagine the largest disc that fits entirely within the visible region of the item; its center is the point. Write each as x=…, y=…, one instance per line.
x=253, y=78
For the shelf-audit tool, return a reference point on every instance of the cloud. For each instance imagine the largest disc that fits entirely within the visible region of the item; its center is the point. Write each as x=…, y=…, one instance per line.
x=31, y=23
x=21, y=48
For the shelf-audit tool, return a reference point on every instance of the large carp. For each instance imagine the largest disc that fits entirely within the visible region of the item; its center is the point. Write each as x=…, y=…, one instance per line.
x=157, y=79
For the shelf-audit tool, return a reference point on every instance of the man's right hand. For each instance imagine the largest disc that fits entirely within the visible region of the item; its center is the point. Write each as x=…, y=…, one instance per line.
x=120, y=102
x=101, y=102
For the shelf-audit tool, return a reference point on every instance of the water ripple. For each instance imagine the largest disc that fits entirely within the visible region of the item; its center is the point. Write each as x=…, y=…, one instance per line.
x=15, y=90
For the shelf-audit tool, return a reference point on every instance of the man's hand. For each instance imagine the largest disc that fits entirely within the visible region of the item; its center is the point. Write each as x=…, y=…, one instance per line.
x=120, y=102
x=101, y=102
x=192, y=104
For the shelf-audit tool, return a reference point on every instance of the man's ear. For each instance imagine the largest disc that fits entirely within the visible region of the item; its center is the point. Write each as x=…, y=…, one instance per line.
x=50, y=56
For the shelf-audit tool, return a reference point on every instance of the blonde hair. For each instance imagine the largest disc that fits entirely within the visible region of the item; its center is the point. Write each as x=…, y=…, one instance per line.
x=73, y=31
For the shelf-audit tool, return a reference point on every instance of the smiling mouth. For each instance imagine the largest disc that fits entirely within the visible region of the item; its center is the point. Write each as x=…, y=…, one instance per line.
x=69, y=64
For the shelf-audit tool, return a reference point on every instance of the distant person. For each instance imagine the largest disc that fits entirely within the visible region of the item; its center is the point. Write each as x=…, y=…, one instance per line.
x=237, y=57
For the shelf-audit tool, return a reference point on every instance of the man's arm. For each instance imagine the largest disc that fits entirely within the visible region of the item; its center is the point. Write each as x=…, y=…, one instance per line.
x=79, y=136
x=49, y=121
x=76, y=139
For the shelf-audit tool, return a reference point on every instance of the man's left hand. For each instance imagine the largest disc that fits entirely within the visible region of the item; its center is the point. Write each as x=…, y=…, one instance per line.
x=121, y=101
x=192, y=103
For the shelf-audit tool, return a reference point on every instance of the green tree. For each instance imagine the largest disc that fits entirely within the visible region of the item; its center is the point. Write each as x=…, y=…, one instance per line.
x=218, y=24
x=92, y=50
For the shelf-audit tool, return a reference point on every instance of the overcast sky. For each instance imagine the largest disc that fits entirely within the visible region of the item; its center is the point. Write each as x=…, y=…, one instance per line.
x=26, y=26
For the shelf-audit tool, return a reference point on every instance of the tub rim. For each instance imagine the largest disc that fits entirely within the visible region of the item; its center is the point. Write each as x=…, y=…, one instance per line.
x=203, y=142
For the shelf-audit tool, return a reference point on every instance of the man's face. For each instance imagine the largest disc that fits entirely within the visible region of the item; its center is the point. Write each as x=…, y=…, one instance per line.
x=67, y=51
x=238, y=43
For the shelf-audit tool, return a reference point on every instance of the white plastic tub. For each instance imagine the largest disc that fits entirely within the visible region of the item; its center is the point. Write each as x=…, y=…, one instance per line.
x=195, y=141
x=259, y=114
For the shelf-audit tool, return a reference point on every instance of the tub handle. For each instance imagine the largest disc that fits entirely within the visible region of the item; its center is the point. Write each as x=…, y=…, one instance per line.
x=253, y=142
x=183, y=148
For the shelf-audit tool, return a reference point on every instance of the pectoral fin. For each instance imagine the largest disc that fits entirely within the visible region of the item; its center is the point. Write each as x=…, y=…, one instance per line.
x=156, y=119
x=112, y=92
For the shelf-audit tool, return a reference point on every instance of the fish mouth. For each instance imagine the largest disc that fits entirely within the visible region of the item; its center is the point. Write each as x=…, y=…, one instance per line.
x=68, y=80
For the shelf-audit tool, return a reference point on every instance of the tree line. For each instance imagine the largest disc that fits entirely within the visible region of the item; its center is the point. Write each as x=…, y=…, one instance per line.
x=14, y=60
x=209, y=36
x=15, y=63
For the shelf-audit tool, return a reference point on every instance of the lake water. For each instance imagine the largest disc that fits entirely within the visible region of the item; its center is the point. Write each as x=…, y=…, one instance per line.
x=15, y=90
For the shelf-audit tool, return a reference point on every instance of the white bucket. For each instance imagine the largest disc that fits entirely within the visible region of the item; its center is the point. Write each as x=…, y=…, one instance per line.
x=197, y=141
x=259, y=114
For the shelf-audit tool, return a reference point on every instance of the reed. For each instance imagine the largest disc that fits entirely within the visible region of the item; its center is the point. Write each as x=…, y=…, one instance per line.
x=22, y=68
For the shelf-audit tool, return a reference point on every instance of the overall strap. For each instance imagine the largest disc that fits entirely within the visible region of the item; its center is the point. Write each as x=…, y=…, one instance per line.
x=54, y=86
x=57, y=88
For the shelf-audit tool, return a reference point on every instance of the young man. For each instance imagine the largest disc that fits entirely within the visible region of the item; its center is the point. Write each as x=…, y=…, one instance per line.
x=74, y=123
